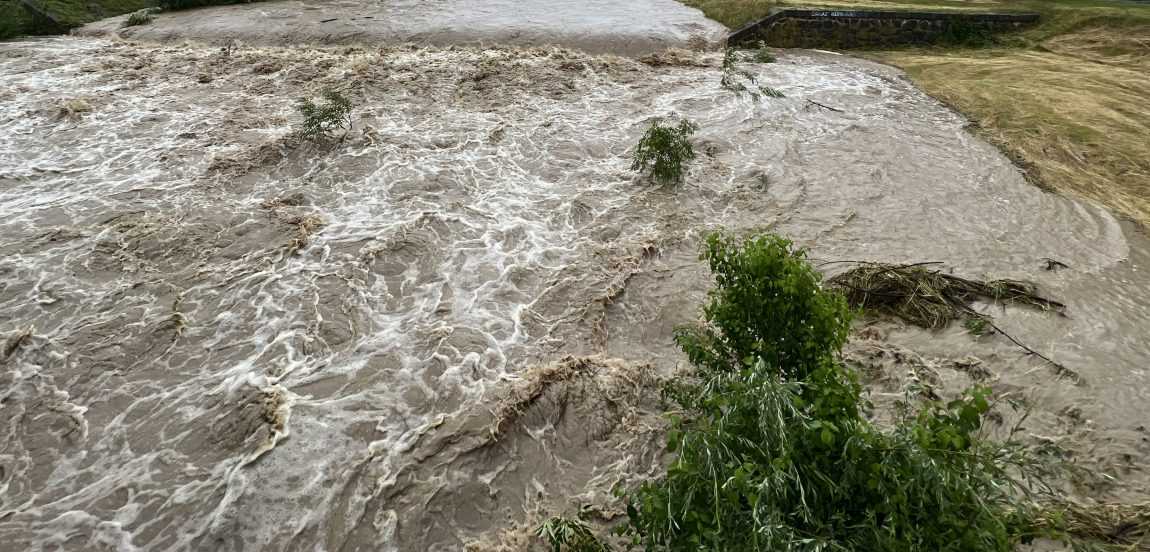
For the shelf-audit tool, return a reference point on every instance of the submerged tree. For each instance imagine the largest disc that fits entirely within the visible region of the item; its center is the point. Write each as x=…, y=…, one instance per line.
x=664, y=150
x=321, y=120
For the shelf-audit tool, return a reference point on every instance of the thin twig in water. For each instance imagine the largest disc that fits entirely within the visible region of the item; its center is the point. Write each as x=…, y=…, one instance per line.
x=825, y=106
x=848, y=261
x=1059, y=368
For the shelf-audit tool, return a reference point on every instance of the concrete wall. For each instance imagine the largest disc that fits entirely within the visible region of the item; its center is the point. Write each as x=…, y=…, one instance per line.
x=870, y=29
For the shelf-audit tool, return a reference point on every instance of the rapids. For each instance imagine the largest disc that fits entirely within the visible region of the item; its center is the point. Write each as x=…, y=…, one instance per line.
x=219, y=338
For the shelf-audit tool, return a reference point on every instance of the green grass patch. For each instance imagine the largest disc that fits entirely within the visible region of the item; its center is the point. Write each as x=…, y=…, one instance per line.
x=41, y=17
x=14, y=19
x=734, y=13
x=71, y=13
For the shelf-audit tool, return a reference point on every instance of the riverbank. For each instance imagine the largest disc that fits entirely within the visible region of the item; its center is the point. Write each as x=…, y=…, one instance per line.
x=461, y=313
x=45, y=17
x=1068, y=100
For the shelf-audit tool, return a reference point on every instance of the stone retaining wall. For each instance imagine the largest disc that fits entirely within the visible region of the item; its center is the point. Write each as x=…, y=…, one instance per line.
x=847, y=29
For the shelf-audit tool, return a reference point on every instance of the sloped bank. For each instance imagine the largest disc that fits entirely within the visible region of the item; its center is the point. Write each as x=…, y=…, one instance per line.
x=48, y=17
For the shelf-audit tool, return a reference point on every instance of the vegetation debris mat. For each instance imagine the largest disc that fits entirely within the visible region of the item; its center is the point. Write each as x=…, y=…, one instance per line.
x=929, y=298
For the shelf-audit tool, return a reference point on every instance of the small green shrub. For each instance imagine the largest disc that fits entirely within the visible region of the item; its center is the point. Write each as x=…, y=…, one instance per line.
x=139, y=17
x=323, y=119
x=574, y=536
x=664, y=150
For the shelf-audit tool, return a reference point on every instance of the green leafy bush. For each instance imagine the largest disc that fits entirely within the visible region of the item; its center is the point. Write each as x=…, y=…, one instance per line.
x=768, y=303
x=773, y=451
x=664, y=150
x=323, y=119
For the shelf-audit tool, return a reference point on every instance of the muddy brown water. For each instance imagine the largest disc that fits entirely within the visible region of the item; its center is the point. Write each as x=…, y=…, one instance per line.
x=634, y=27
x=220, y=339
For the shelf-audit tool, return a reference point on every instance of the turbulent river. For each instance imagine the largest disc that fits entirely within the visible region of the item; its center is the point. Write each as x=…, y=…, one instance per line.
x=216, y=337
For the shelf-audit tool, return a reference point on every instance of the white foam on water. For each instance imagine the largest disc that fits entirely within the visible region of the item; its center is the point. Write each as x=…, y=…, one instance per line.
x=228, y=393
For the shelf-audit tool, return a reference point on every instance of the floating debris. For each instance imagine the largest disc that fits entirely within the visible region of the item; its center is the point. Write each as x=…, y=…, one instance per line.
x=929, y=298
x=1124, y=525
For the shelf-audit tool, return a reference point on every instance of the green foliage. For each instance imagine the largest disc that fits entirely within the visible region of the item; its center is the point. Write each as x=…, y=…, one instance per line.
x=321, y=120
x=771, y=92
x=139, y=17
x=664, y=150
x=773, y=451
x=15, y=20
x=736, y=80
x=763, y=54
x=969, y=35
x=976, y=325
x=767, y=304
x=574, y=536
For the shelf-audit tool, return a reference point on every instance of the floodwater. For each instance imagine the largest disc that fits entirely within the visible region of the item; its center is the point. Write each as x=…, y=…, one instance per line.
x=449, y=323
x=634, y=27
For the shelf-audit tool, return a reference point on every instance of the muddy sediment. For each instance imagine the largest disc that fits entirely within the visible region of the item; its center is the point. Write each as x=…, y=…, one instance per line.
x=217, y=337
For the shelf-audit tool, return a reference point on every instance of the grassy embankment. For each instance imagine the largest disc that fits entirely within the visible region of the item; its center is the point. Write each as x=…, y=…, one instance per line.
x=1069, y=99
x=37, y=17
x=30, y=17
